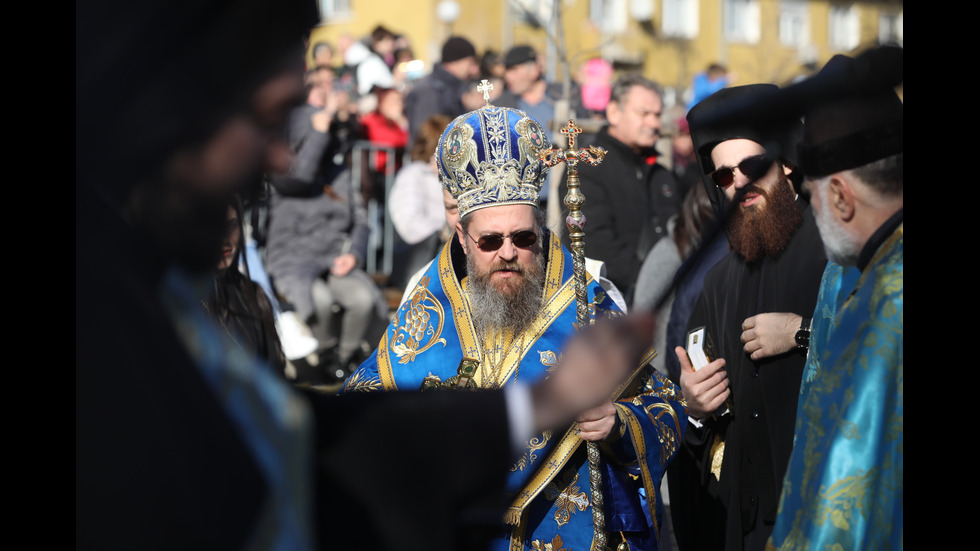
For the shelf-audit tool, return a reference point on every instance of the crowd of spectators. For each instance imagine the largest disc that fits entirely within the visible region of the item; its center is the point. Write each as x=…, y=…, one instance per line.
x=312, y=303
x=338, y=237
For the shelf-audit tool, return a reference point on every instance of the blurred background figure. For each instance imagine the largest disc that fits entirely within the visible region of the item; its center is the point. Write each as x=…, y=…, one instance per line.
x=416, y=204
x=451, y=211
x=709, y=81
x=317, y=250
x=492, y=66
x=596, y=83
x=527, y=88
x=370, y=59
x=317, y=241
x=657, y=272
x=630, y=196
x=684, y=161
x=407, y=69
x=322, y=56
x=386, y=126
x=239, y=304
x=492, y=70
x=440, y=92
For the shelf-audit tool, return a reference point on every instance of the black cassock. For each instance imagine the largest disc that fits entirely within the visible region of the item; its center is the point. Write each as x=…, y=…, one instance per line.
x=712, y=514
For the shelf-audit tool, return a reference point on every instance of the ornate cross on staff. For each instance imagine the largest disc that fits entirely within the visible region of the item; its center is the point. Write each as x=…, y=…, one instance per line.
x=575, y=221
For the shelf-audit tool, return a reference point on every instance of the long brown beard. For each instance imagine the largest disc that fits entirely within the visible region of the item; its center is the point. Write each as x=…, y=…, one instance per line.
x=764, y=231
x=515, y=305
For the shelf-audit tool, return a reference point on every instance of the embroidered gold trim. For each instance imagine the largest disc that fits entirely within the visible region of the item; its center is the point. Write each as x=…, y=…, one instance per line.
x=360, y=382
x=460, y=306
x=517, y=534
x=567, y=497
x=557, y=459
x=560, y=455
x=556, y=544
x=384, y=366
x=533, y=445
x=410, y=336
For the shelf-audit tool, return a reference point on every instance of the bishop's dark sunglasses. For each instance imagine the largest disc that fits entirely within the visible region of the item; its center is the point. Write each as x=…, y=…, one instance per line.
x=753, y=168
x=492, y=241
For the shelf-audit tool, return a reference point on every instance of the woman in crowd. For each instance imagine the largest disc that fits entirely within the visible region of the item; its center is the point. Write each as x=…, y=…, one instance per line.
x=416, y=203
x=239, y=304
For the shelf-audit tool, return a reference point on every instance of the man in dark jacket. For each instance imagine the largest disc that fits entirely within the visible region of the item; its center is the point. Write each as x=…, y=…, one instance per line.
x=629, y=197
x=441, y=91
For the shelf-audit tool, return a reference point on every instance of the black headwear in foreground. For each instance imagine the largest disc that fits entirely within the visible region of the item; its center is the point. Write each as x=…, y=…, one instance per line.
x=778, y=136
x=852, y=130
x=152, y=76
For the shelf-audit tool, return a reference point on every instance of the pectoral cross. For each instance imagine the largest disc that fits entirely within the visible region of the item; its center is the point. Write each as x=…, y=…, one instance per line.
x=485, y=87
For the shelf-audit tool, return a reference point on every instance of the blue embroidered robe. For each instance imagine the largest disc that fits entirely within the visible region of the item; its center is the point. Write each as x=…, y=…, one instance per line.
x=552, y=508
x=843, y=488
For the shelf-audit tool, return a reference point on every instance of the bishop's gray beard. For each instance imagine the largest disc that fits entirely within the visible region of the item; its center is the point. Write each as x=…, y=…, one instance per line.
x=515, y=306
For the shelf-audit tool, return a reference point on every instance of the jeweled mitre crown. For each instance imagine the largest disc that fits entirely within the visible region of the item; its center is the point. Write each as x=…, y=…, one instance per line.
x=489, y=157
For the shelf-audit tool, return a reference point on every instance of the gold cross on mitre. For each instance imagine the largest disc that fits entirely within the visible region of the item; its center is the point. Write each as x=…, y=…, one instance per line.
x=485, y=87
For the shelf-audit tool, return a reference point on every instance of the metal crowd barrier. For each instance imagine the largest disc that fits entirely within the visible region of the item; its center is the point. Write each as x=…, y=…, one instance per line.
x=382, y=232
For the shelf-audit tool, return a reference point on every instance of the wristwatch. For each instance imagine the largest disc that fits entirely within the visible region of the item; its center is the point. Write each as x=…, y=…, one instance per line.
x=803, y=335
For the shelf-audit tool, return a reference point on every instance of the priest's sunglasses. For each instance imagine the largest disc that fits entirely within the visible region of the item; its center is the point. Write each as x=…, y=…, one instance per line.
x=492, y=241
x=753, y=168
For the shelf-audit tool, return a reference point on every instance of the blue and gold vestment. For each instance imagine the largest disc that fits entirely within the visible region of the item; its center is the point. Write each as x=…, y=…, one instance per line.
x=844, y=485
x=433, y=331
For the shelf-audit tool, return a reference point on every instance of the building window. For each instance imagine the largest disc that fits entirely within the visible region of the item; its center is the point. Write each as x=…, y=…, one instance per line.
x=680, y=18
x=331, y=9
x=794, y=23
x=844, y=27
x=890, y=28
x=741, y=20
x=536, y=13
x=610, y=16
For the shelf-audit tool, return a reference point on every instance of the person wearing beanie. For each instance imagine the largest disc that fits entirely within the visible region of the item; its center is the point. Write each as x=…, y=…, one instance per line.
x=755, y=308
x=849, y=423
x=527, y=88
x=441, y=91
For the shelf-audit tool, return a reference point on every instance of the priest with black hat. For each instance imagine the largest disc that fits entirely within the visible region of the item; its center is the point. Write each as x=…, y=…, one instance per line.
x=755, y=309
